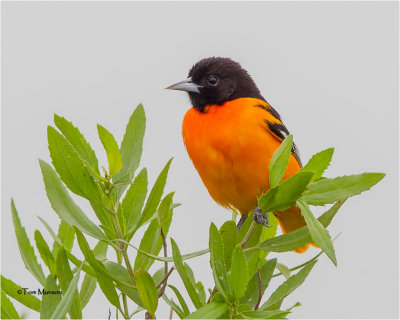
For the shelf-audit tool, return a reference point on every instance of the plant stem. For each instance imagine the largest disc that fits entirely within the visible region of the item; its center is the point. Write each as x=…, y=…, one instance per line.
x=248, y=234
x=126, y=311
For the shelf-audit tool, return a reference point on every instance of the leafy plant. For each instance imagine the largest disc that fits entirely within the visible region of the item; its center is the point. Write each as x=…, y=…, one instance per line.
x=120, y=200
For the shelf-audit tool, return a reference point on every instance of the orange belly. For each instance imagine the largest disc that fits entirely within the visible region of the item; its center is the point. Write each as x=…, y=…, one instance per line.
x=231, y=147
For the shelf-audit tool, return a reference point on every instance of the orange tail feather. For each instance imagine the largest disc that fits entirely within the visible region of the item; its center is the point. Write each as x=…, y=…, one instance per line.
x=291, y=219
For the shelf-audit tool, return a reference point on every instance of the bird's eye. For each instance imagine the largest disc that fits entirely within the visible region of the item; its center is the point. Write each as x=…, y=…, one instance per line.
x=212, y=81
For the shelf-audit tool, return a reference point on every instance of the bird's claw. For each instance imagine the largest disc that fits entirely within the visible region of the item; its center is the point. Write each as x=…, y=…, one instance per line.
x=259, y=217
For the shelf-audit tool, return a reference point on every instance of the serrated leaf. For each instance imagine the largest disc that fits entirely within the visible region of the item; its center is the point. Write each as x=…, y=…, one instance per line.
x=217, y=262
x=65, y=276
x=112, y=150
x=239, y=275
x=184, y=276
x=44, y=252
x=7, y=308
x=147, y=291
x=229, y=237
x=331, y=190
x=71, y=168
x=11, y=289
x=155, y=195
x=65, y=303
x=77, y=140
x=299, y=237
x=318, y=163
x=285, y=194
x=63, y=204
x=279, y=161
x=25, y=248
x=317, y=231
x=288, y=286
x=134, y=200
x=131, y=149
x=49, y=301
x=252, y=291
x=213, y=310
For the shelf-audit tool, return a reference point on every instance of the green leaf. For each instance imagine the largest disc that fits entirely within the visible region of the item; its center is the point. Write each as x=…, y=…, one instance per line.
x=119, y=272
x=217, y=261
x=318, y=163
x=63, y=204
x=66, y=234
x=288, y=286
x=283, y=269
x=7, y=308
x=268, y=233
x=299, y=237
x=201, y=291
x=131, y=148
x=147, y=291
x=155, y=195
x=229, y=237
x=25, y=248
x=112, y=150
x=104, y=278
x=265, y=314
x=163, y=211
x=11, y=289
x=68, y=298
x=134, y=200
x=151, y=243
x=331, y=190
x=251, y=295
x=71, y=168
x=88, y=287
x=285, y=194
x=212, y=310
x=49, y=301
x=185, y=309
x=280, y=161
x=174, y=306
x=317, y=231
x=45, y=252
x=184, y=276
x=75, y=137
x=239, y=276
x=65, y=276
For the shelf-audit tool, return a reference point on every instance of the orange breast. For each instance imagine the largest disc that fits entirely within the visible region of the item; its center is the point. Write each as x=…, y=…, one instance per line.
x=231, y=147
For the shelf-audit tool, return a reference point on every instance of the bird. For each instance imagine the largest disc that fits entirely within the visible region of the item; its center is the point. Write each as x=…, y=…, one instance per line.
x=230, y=134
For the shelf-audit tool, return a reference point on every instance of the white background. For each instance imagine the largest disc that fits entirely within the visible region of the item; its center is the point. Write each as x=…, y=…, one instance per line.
x=330, y=69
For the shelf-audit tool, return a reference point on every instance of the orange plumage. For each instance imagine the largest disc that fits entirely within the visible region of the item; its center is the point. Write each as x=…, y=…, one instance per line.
x=231, y=147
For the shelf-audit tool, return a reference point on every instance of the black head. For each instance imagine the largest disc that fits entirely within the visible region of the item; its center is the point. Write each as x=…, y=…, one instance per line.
x=215, y=81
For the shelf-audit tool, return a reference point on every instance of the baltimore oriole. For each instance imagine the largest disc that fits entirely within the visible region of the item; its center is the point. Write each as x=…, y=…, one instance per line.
x=231, y=133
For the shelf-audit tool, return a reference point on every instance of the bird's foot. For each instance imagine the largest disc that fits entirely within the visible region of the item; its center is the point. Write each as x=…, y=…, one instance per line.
x=259, y=217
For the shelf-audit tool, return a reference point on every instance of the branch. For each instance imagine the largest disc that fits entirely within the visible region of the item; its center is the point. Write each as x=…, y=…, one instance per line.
x=260, y=293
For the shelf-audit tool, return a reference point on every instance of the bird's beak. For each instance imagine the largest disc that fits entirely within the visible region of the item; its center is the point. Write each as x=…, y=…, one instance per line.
x=186, y=85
